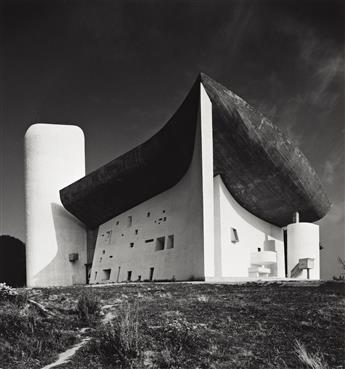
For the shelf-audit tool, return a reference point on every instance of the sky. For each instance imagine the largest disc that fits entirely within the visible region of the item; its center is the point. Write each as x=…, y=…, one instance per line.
x=120, y=69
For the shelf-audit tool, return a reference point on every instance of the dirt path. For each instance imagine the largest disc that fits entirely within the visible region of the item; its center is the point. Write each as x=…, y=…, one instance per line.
x=67, y=355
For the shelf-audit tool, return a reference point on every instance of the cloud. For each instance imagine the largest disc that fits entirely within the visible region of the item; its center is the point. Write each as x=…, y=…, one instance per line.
x=324, y=60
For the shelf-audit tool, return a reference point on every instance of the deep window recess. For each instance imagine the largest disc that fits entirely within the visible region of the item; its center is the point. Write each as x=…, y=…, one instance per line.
x=234, y=235
x=136, y=231
x=259, y=249
x=110, y=256
x=129, y=221
x=150, y=240
x=151, y=273
x=117, y=223
x=170, y=242
x=108, y=236
x=129, y=275
x=148, y=214
x=164, y=219
x=131, y=245
x=95, y=275
x=103, y=252
x=106, y=274
x=160, y=243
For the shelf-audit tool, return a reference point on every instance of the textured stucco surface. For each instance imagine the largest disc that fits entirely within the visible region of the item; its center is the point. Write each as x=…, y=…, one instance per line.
x=125, y=245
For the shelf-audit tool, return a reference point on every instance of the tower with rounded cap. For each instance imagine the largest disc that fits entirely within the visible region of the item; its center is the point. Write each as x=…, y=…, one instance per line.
x=54, y=158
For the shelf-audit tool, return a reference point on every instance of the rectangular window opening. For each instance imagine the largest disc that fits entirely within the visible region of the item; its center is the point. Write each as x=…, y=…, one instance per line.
x=148, y=214
x=131, y=245
x=170, y=243
x=129, y=221
x=234, y=235
x=108, y=236
x=136, y=231
x=150, y=240
x=160, y=243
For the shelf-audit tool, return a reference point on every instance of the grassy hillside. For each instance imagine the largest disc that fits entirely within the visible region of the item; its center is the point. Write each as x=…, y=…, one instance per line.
x=183, y=325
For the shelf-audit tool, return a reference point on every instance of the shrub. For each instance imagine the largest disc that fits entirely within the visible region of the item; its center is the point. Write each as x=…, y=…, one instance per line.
x=7, y=293
x=119, y=341
x=88, y=307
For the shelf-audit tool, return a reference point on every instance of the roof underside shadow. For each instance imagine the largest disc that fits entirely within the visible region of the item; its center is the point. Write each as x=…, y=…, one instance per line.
x=262, y=169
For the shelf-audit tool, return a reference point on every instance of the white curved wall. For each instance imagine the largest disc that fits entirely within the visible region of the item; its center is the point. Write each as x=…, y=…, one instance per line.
x=233, y=259
x=54, y=158
x=303, y=242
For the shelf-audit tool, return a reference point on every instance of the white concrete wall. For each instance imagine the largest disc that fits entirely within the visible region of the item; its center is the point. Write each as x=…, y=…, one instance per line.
x=205, y=121
x=54, y=158
x=303, y=242
x=178, y=212
x=233, y=259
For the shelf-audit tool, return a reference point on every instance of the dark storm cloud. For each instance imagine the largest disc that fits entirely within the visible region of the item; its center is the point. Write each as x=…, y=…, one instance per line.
x=119, y=69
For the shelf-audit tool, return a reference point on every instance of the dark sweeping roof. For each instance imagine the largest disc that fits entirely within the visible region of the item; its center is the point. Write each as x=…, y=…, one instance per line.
x=261, y=167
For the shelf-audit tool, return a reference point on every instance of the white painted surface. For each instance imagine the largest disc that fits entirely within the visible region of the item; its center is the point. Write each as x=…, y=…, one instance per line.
x=263, y=257
x=207, y=182
x=303, y=242
x=253, y=234
x=54, y=158
x=177, y=212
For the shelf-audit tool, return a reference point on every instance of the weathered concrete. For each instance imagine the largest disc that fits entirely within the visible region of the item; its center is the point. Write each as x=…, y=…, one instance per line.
x=264, y=171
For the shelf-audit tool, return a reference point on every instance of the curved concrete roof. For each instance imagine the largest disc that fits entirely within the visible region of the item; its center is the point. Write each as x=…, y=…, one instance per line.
x=263, y=170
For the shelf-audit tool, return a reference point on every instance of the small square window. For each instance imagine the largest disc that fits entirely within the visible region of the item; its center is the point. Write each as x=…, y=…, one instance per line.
x=106, y=274
x=234, y=235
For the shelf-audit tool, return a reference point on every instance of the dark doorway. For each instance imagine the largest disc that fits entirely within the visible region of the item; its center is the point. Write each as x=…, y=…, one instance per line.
x=151, y=273
x=12, y=261
x=285, y=253
x=129, y=275
x=88, y=272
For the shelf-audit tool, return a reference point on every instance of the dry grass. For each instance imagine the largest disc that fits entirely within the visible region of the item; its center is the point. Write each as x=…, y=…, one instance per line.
x=214, y=326
x=312, y=361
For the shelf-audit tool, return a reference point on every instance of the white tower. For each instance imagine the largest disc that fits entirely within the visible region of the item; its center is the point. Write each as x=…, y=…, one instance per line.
x=303, y=242
x=55, y=239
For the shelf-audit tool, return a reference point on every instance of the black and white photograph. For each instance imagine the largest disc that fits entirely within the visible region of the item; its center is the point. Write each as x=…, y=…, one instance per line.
x=172, y=184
